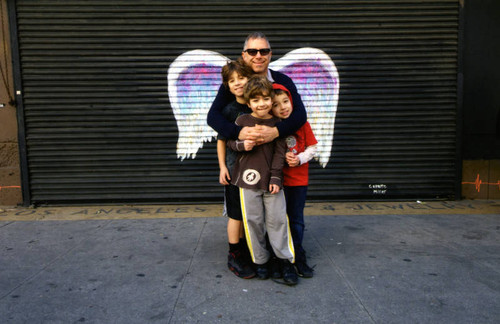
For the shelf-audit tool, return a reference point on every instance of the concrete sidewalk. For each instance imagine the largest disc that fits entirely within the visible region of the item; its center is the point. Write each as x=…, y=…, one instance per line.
x=373, y=265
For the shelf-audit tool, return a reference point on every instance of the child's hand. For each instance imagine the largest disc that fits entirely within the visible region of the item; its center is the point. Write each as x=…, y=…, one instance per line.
x=267, y=134
x=224, y=176
x=292, y=159
x=248, y=145
x=274, y=189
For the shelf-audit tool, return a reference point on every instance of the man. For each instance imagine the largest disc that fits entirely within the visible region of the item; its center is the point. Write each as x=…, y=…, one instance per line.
x=257, y=54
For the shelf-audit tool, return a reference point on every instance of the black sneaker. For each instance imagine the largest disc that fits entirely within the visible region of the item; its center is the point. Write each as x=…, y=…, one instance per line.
x=275, y=268
x=262, y=271
x=238, y=266
x=304, y=270
x=289, y=275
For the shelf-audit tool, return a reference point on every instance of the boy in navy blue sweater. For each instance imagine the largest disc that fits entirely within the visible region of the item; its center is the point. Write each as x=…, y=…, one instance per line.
x=235, y=75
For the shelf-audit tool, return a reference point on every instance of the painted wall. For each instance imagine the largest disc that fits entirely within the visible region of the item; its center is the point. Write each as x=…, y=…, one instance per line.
x=10, y=190
x=481, y=135
x=481, y=179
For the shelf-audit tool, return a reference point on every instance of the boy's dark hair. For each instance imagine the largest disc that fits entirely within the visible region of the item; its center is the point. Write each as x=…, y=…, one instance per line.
x=258, y=86
x=279, y=92
x=237, y=66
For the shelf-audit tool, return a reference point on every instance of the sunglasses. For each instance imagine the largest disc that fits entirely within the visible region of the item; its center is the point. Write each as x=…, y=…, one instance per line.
x=262, y=51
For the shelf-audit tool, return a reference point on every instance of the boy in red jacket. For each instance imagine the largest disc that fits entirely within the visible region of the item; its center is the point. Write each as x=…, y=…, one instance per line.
x=301, y=148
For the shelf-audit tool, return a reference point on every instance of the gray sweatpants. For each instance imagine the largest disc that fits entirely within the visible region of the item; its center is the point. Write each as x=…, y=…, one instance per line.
x=265, y=212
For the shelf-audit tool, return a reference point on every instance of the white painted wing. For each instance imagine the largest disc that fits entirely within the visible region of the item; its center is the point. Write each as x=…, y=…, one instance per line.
x=318, y=84
x=193, y=81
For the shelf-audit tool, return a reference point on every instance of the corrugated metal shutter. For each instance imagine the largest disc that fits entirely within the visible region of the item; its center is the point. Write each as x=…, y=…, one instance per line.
x=99, y=126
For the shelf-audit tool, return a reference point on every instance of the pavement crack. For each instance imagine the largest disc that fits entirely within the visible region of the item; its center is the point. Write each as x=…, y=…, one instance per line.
x=188, y=271
x=5, y=224
x=341, y=274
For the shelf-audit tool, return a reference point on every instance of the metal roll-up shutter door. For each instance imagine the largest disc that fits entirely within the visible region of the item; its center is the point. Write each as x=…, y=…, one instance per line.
x=99, y=124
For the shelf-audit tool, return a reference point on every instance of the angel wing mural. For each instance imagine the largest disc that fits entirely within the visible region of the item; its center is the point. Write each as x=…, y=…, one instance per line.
x=194, y=78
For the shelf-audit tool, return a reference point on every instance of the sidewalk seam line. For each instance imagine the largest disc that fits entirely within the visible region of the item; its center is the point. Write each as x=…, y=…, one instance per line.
x=188, y=271
x=346, y=281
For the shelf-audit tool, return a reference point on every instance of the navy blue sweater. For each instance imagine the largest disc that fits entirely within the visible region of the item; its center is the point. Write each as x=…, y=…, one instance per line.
x=289, y=126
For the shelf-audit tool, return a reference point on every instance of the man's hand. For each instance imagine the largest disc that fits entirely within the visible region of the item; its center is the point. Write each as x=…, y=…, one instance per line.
x=274, y=189
x=266, y=134
x=248, y=133
x=292, y=159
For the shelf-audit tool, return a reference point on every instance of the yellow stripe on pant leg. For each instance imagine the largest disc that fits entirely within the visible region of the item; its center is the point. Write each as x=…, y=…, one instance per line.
x=290, y=239
x=245, y=225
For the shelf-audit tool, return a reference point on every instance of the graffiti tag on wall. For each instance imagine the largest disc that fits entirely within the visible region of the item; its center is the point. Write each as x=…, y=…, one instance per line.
x=478, y=183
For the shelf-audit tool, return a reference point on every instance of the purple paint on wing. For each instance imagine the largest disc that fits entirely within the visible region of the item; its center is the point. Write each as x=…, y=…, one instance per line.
x=196, y=84
x=310, y=75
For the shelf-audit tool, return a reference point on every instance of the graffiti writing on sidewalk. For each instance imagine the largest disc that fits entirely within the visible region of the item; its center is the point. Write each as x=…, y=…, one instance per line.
x=188, y=211
x=406, y=206
x=120, y=211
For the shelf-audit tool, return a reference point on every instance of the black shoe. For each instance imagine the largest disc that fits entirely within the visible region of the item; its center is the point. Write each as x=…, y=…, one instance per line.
x=275, y=268
x=289, y=275
x=262, y=271
x=237, y=264
x=304, y=270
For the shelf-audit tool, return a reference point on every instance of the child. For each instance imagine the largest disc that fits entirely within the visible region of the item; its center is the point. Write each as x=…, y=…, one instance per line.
x=301, y=149
x=234, y=76
x=258, y=174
